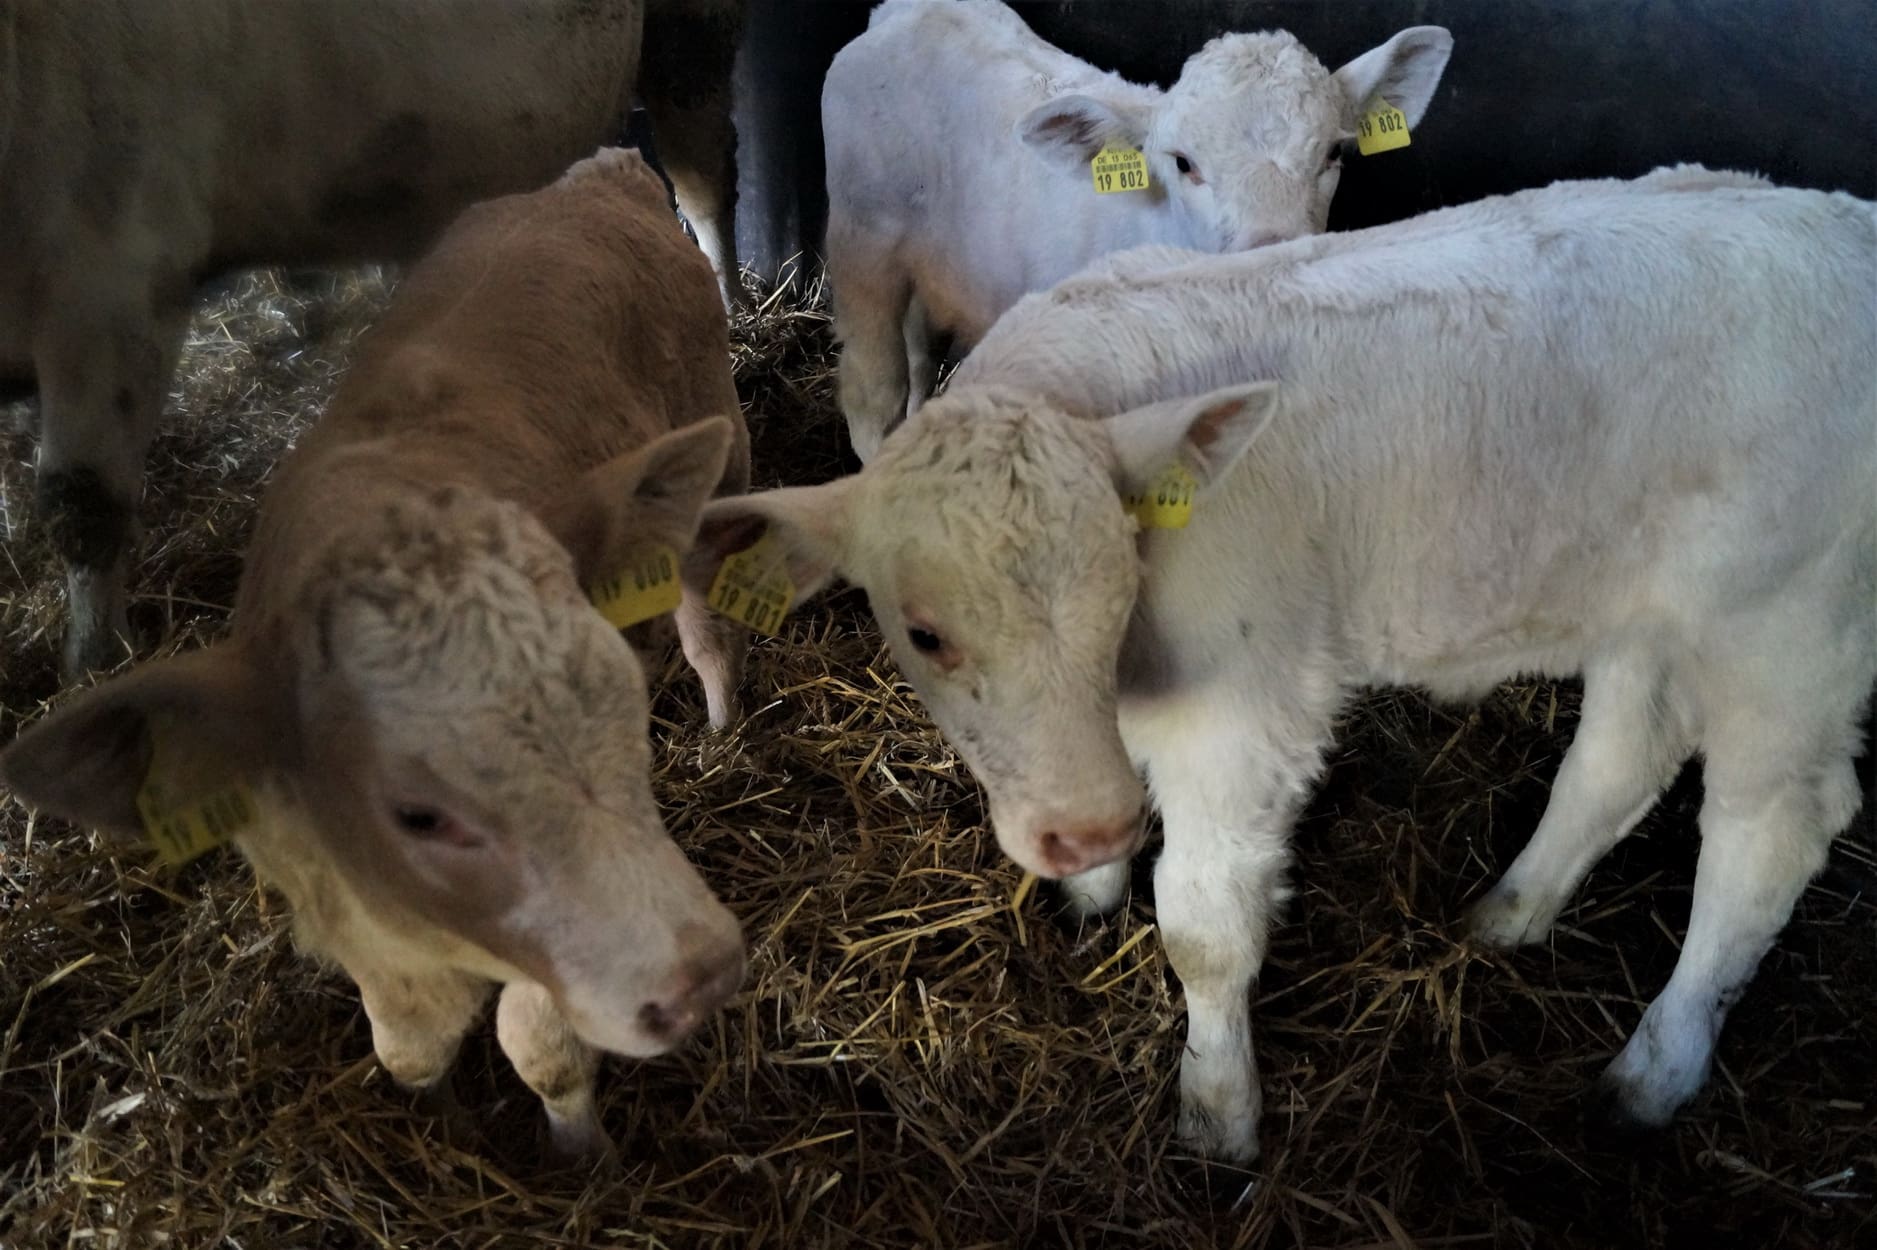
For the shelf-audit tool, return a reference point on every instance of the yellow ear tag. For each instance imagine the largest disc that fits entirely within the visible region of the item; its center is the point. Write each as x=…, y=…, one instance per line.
x=646, y=588
x=753, y=586
x=1167, y=501
x=1119, y=169
x=1381, y=128
x=180, y=826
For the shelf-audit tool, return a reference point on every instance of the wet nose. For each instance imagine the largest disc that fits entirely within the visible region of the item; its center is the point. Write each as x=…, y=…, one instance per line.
x=704, y=985
x=1066, y=850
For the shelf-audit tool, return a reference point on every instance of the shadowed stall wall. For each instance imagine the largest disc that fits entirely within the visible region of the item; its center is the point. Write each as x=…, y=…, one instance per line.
x=1535, y=92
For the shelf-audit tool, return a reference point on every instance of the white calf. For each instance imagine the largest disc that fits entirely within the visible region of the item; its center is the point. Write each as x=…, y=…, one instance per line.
x=958, y=170
x=1622, y=430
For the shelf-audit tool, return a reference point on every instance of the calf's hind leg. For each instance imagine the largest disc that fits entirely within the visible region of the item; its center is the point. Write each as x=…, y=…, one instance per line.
x=1779, y=743
x=1632, y=738
x=685, y=78
x=555, y=1064
x=871, y=297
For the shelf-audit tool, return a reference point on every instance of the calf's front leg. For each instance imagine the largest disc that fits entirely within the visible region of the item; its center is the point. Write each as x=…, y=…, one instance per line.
x=555, y=1064
x=1217, y=888
x=418, y=1023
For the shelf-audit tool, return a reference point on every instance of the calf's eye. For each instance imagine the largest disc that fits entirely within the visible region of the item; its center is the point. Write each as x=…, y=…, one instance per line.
x=1333, y=157
x=925, y=640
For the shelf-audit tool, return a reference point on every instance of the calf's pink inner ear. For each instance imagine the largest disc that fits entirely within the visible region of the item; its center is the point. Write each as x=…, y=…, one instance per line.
x=1203, y=433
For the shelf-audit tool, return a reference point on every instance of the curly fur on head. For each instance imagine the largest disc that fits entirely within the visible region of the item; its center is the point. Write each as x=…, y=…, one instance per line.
x=461, y=588
x=1289, y=86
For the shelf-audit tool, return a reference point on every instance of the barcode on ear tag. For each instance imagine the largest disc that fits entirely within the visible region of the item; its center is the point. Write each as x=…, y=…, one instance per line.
x=1167, y=501
x=1118, y=169
x=647, y=588
x=1381, y=128
x=753, y=586
x=182, y=827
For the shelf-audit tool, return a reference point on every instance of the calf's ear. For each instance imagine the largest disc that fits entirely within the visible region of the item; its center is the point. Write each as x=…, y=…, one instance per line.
x=800, y=531
x=1070, y=129
x=624, y=510
x=206, y=711
x=1404, y=71
x=1205, y=434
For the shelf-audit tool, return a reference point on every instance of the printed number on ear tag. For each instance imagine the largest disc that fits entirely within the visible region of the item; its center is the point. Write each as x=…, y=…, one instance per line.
x=753, y=586
x=182, y=827
x=1167, y=503
x=648, y=588
x=1381, y=128
x=1119, y=169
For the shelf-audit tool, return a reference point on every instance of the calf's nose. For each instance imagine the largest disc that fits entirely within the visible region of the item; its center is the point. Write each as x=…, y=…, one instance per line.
x=704, y=984
x=1066, y=850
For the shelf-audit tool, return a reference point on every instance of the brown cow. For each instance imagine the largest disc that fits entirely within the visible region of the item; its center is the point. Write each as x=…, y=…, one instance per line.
x=440, y=745
x=148, y=144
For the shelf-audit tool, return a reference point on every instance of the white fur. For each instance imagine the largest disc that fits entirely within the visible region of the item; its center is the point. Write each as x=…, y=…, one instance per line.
x=958, y=170
x=1627, y=430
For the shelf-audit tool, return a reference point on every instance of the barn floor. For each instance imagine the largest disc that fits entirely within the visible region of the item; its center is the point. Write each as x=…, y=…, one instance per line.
x=923, y=1055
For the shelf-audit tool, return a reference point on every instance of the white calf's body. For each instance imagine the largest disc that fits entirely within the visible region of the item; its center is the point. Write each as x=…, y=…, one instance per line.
x=1623, y=430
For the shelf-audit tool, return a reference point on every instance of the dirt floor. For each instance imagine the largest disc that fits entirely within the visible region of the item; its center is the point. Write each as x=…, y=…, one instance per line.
x=922, y=1056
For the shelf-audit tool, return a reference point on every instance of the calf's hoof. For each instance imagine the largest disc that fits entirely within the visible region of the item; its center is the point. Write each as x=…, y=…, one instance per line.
x=1505, y=919
x=1220, y=1138
x=1612, y=1124
x=577, y=1139
x=438, y=1102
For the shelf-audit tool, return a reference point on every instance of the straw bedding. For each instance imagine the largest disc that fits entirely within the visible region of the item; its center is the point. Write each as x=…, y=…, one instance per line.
x=924, y=1053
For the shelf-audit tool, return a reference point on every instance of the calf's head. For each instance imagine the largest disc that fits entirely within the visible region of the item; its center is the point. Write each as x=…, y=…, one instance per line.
x=1247, y=145
x=991, y=539
x=441, y=717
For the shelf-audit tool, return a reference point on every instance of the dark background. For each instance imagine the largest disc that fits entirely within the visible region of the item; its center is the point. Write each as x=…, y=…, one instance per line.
x=1535, y=92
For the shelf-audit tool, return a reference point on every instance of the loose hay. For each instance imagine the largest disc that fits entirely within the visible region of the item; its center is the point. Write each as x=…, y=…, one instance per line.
x=923, y=1055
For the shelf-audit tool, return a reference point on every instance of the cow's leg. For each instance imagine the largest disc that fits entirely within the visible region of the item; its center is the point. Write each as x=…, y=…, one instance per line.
x=1227, y=813
x=1632, y=737
x=102, y=377
x=1778, y=742
x=418, y=1023
x=716, y=648
x=555, y=1064
x=871, y=296
x=685, y=79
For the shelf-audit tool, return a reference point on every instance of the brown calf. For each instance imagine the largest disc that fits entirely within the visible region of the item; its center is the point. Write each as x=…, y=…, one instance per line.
x=437, y=743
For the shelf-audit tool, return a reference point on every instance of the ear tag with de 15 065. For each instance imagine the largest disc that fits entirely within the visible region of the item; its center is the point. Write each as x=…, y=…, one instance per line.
x=1166, y=502
x=183, y=822
x=1118, y=169
x=753, y=586
x=1381, y=128
x=646, y=588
